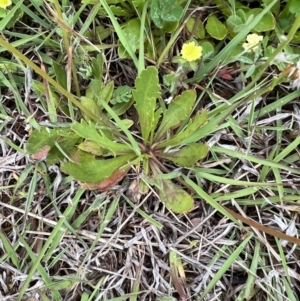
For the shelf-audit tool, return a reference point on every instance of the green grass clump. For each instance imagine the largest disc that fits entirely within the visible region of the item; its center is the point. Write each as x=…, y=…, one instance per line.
x=150, y=150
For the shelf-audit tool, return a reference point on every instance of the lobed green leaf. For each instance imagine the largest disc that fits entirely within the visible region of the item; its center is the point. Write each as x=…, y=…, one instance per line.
x=89, y=131
x=145, y=95
x=189, y=155
x=194, y=124
x=178, y=110
x=39, y=139
x=175, y=198
x=96, y=171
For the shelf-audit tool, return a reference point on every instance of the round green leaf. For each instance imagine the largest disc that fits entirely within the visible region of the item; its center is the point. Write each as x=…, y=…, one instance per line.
x=199, y=30
x=266, y=23
x=295, y=8
x=2, y=12
x=234, y=21
x=131, y=31
x=250, y=71
x=216, y=28
x=175, y=198
x=207, y=50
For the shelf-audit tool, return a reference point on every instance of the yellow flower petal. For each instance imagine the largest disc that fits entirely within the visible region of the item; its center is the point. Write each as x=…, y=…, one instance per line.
x=252, y=43
x=191, y=52
x=5, y=3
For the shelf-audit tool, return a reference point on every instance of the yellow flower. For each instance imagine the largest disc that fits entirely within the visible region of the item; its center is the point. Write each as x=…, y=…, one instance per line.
x=191, y=52
x=252, y=42
x=5, y=3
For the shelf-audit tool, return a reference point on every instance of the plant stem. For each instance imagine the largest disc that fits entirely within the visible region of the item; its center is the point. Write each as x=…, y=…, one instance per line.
x=286, y=42
x=67, y=46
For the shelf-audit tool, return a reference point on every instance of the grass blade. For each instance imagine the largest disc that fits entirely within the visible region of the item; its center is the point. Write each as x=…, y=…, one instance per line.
x=226, y=266
x=120, y=34
x=39, y=258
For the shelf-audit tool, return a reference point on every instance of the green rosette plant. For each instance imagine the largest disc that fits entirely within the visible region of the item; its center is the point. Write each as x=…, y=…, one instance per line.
x=100, y=155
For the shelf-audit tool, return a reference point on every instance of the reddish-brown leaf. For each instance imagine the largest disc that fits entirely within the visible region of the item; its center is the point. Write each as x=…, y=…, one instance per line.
x=262, y=228
x=225, y=73
x=42, y=153
x=115, y=177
